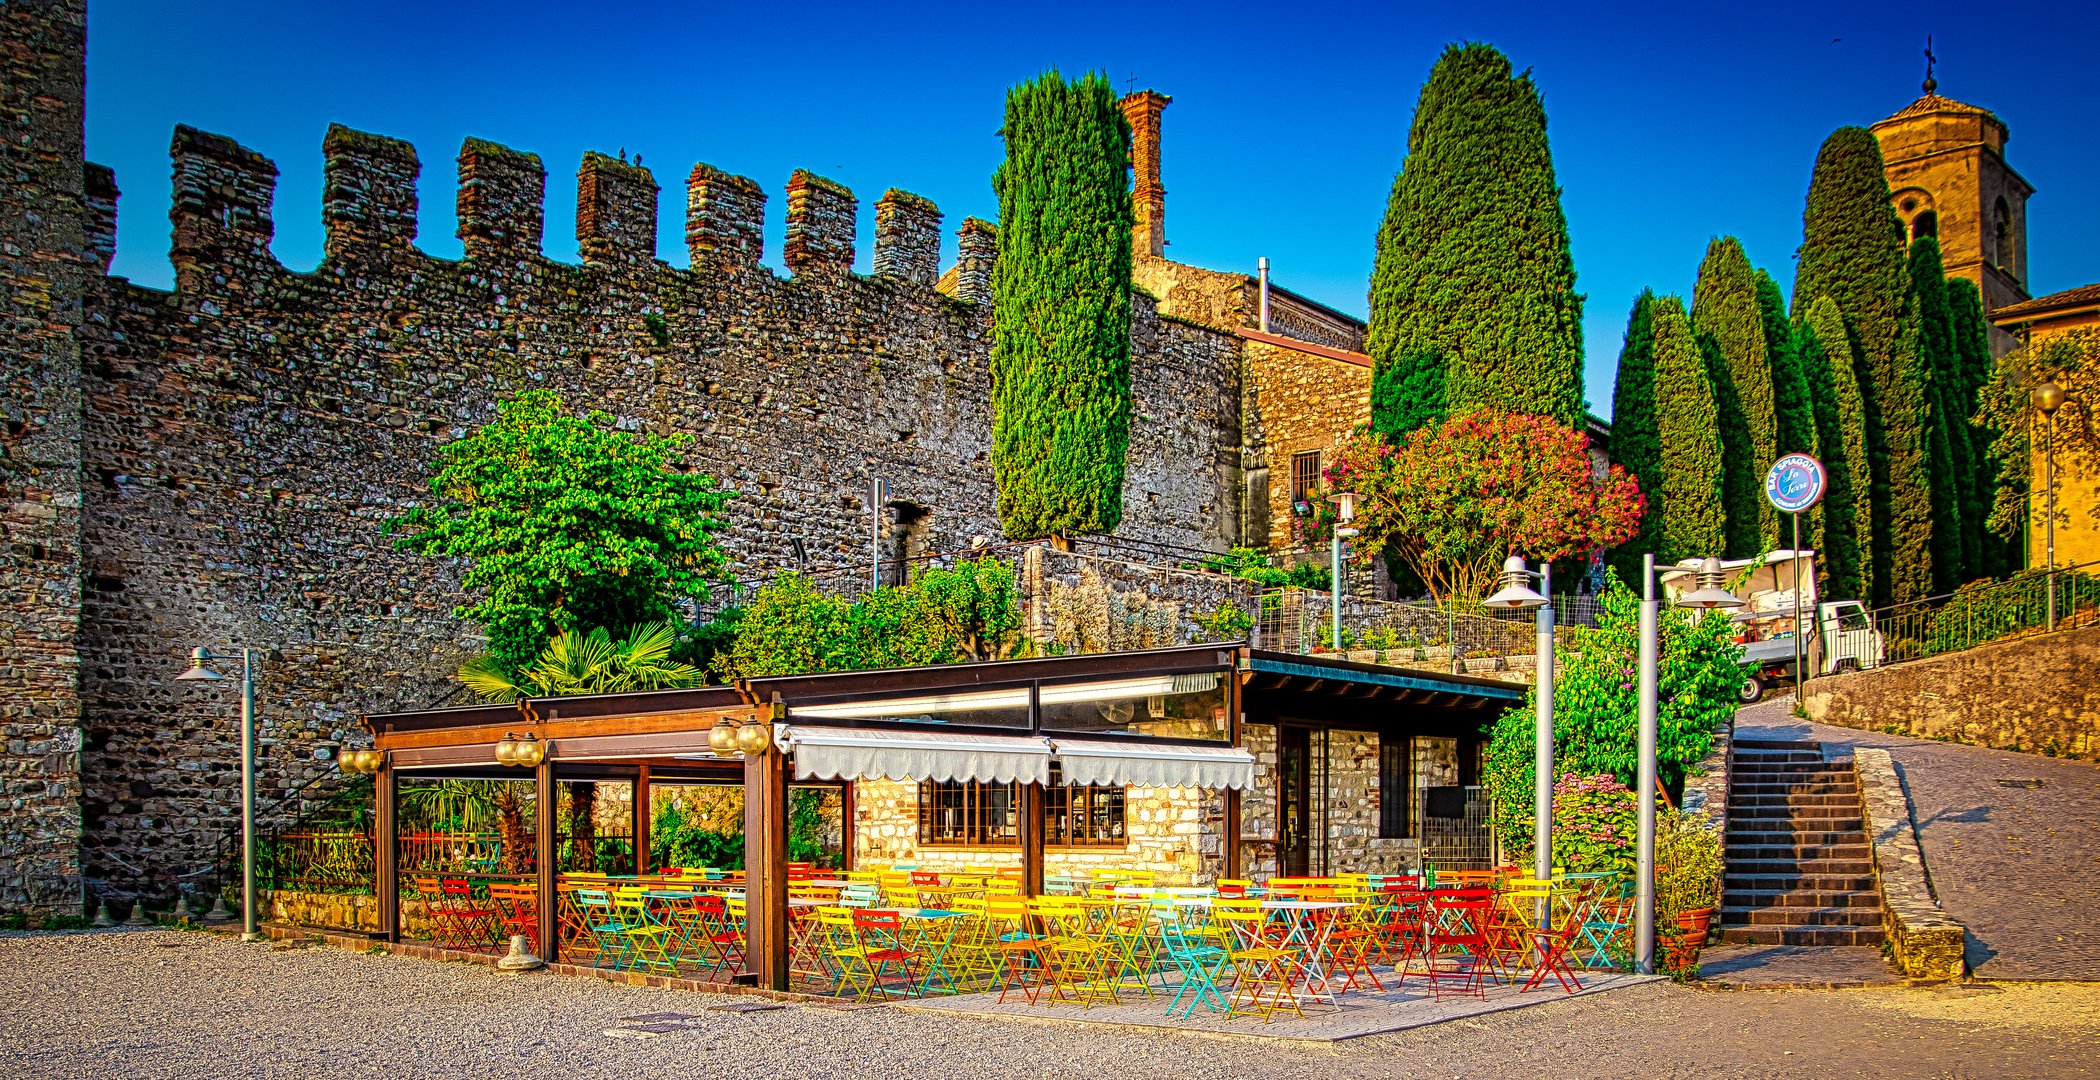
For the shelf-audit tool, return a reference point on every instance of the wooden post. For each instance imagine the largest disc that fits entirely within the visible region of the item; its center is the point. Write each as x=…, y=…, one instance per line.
x=765, y=870
x=1232, y=833
x=550, y=872
x=1235, y=707
x=642, y=819
x=1032, y=839
x=386, y=852
x=847, y=810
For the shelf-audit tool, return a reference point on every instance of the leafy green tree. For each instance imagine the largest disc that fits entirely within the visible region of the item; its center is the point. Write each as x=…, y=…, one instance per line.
x=1973, y=362
x=1692, y=518
x=1793, y=410
x=592, y=663
x=2072, y=361
x=1852, y=251
x=1473, y=298
x=1061, y=322
x=1841, y=520
x=1725, y=310
x=1698, y=674
x=1457, y=499
x=1635, y=443
x=567, y=524
x=1957, y=549
x=943, y=616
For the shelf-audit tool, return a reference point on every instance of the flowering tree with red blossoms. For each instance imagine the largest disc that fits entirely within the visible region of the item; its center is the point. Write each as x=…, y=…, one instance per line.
x=1454, y=500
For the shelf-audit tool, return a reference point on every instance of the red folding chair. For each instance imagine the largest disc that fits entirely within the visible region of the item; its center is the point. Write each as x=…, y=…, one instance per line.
x=882, y=935
x=474, y=921
x=1459, y=921
x=1553, y=947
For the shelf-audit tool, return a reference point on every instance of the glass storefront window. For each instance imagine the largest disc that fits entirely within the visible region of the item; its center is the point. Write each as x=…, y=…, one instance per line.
x=1187, y=706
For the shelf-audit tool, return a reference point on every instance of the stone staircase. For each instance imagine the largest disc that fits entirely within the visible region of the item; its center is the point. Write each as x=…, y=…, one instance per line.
x=1798, y=867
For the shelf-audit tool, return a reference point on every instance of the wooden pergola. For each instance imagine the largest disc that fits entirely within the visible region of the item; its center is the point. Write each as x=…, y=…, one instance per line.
x=655, y=736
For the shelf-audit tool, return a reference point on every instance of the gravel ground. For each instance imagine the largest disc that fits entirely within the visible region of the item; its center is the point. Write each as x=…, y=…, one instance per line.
x=151, y=1003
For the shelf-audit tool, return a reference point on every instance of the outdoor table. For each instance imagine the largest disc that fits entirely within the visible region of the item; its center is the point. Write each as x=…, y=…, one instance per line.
x=932, y=931
x=1310, y=936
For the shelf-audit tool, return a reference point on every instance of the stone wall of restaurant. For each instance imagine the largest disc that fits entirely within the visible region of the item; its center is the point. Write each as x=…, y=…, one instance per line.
x=45, y=258
x=2033, y=693
x=1173, y=832
x=248, y=435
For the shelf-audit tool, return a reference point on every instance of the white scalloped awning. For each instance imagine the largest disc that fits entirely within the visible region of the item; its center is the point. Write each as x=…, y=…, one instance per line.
x=828, y=753
x=1123, y=764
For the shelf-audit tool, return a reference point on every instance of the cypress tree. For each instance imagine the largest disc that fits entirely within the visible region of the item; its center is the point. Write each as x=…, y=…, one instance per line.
x=1793, y=411
x=1691, y=519
x=1972, y=347
x=1473, y=277
x=1634, y=440
x=1956, y=548
x=1726, y=315
x=1852, y=252
x=1841, y=434
x=1061, y=324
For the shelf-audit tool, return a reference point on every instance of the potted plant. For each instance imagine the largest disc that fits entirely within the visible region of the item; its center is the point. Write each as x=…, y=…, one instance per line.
x=1687, y=887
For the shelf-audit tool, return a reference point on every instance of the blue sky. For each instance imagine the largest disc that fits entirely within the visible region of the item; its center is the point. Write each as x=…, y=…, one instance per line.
x=1669, y=125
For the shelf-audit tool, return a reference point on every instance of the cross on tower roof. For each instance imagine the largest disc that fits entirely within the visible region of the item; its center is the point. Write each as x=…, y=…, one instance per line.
x=1932, y=85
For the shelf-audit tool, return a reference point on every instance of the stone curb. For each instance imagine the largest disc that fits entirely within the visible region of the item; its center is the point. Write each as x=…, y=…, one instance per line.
x=1928, y=943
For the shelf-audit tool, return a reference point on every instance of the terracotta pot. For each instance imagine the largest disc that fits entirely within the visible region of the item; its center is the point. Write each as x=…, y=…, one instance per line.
x=1684, y=950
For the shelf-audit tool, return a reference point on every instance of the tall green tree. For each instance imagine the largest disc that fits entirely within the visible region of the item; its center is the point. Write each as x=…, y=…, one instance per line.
x=1635, y=443
x=1793, y=410
x=1852, y=251
x=1841, y=519
x=1473, y=298
x=1972, y=349
x=1957, y=547
x=1726, y=313
x=1061, y=322
x=567, y=525
x=1693, y=520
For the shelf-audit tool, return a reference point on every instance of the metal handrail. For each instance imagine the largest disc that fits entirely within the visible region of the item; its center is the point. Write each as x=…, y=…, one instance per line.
x=1977, y=615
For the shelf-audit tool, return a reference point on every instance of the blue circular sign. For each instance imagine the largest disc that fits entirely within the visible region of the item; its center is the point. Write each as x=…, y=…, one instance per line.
x=1795, y=483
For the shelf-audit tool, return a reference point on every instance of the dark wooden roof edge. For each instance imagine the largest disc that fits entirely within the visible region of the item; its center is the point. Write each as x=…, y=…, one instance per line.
x=934, y=678
x=1321, y=667
x=939, y=677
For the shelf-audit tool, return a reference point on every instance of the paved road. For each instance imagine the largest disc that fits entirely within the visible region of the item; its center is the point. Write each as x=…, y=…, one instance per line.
x=151, y=1004
x=2012, y=842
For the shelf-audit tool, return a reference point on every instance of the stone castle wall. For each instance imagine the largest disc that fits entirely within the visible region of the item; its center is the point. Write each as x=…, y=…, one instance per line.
x=44, y=259
x=248, y=434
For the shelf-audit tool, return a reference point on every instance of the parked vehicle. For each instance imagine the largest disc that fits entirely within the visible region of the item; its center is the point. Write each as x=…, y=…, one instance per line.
x=1840, y=636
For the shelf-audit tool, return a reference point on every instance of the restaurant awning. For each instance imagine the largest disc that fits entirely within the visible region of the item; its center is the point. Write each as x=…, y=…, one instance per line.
x=1172, y=765
x=830, y=753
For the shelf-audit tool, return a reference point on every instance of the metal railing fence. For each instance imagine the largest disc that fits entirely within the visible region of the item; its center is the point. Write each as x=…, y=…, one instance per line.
x=1983, y=612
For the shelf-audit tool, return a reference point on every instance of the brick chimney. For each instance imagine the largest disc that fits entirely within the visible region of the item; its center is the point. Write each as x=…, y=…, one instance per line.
x=1148, y=199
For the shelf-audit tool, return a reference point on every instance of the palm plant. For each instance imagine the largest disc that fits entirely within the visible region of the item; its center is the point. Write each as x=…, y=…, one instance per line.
x=587, y=663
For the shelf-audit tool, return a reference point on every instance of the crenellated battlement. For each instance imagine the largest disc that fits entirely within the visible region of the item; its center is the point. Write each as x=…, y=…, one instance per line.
x=615, y=211
x=224, y=195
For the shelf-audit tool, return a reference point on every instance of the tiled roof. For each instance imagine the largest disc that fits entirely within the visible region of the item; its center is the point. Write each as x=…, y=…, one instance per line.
x=2041, y=305
x=1933, y=103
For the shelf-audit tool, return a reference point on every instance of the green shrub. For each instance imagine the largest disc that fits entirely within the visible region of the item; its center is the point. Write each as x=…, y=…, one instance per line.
x=1225, y=622
x=1594, y=821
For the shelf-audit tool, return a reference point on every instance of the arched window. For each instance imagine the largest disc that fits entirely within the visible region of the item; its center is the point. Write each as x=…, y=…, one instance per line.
x=2002, y=235
x=1924, y=225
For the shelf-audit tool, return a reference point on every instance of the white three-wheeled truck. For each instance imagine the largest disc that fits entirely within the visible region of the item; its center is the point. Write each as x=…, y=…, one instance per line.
x=1839, y=636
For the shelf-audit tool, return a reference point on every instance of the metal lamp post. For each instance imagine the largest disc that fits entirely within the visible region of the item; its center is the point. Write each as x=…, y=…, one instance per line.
x=199, y=672
x=1516, y=594
x=1711, y=593
x=2048, y=398
x=1345, y=512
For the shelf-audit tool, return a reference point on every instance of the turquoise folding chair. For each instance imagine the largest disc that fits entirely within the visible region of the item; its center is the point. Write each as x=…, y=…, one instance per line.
x=1602, y=923
x=1199, y=965
x=607, y=930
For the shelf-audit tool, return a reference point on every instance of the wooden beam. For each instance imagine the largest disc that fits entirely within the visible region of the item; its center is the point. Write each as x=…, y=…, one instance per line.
x=549, y=871
x=697, y=720
x=1232, y=833
x=643, y=819
x=1032, y=839
x=386, y=852
x=765, y=870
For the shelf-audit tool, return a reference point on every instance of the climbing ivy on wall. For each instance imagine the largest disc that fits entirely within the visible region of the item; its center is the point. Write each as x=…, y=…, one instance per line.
x=1061, y=326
